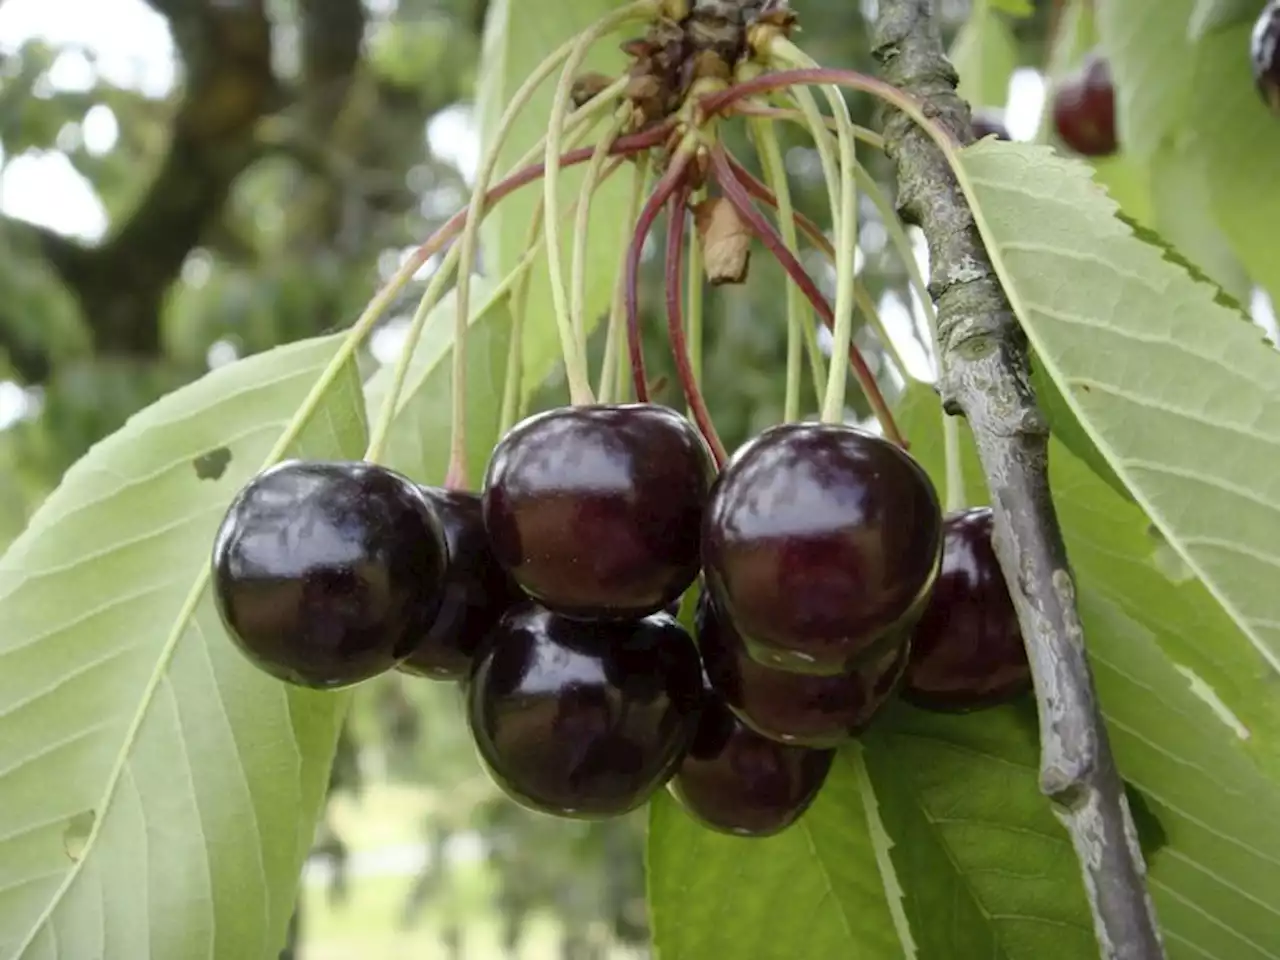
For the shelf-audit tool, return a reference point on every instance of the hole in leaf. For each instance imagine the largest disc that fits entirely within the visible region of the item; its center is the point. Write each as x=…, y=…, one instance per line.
x=76, y=834
x=212, y=465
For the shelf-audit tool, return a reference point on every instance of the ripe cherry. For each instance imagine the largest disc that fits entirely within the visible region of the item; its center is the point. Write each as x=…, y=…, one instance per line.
x=735, y=781
x=326, y=573
x=987, y=123
x=476, y=591
x=796, y=708
x=967, y=650
x=583, y=720
x=821, y=543
x=1084, y=109
x=1265, y=51
x=595, y=510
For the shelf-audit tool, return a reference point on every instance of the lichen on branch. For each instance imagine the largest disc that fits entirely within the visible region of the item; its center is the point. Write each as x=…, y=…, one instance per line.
x=985, y=377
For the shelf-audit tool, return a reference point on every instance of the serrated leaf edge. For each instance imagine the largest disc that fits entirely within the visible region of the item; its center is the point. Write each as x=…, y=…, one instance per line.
x=1075, y=168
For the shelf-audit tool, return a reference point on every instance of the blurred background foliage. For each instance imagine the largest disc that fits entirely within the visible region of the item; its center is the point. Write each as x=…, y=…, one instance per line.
x=302, y=147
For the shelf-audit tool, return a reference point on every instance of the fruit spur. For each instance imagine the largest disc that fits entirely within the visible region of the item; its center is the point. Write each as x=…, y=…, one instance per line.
x=819, y=576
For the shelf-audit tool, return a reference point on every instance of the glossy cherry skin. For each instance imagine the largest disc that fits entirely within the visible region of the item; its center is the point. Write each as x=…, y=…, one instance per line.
x=476, y=591
x=795, y=708
x=1264, y=49
x=735, y=781
x=967, y=651
x=821, y=542
x=326, y=573
x=987, y=123
x=1084, y=109
x=595, y=510
x=583, y=720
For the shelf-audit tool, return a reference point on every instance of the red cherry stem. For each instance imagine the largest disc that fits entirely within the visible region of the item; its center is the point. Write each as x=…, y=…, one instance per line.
x=675, y=321
x=737, y=194
x=782, y=79
x=662, y=192
x=762, y=192
x=622, y=147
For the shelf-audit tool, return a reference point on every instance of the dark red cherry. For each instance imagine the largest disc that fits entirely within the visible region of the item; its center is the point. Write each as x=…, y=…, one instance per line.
x=988, y=123
x=796, y=708
x=477, y=591
x=1265, y=51
x=967, y=651
x=595, y=510
x=821, y=543
x=325, y=573
x=735, y=781
x=583, y=720
x=1084, y=108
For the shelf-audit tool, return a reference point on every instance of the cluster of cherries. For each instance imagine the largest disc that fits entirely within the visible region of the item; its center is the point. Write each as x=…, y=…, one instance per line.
x=830, y=581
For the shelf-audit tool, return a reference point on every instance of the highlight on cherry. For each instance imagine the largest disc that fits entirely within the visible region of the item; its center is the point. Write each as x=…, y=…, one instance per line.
x=626, y=605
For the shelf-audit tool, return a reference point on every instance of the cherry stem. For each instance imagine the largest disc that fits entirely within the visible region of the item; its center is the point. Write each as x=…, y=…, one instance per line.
x=765, y=194
x=662, y=192
x=804, y=76
x=737, y=194
x=762, y=192
x=622, y=147
x=675, y=321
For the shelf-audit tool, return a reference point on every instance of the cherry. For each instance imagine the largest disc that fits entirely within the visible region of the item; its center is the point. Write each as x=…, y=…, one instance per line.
x=595, y=510
x=477, y=591
x=1265, y=51
x=1084, y=108
x=821, y=543
x=735, y=781
x=988, y=122
x=583, y=720
x=795, y=708
x=967, y=650
x=326, y=573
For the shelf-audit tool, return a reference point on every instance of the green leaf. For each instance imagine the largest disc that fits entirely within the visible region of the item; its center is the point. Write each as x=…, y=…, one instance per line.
x=1212, y=15
x=1181, y=398
x=514, y=45
x=418, y=444
x=1236, y=141
x=1066, y=426
x=1147, y=46
x=986, y=869
x=157, y=792
x=1216, y=880
x=1216, y=849
x=812, y=891
x=985, y=54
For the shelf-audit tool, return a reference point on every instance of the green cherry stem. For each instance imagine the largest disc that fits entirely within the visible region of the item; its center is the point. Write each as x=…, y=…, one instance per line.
x=694, y=303
x=613, y=366
x=582, y=229
x=956, y=497
x=574, y=358
x=820, y=240
x=475, y=212
x=799, y=317
x=845, y=229
x=673, y=267
x=737, y=194
x=624, y=146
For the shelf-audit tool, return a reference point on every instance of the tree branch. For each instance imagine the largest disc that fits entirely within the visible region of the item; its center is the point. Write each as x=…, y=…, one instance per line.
x=985, y=376
x=121, y=283
x=332, y=33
